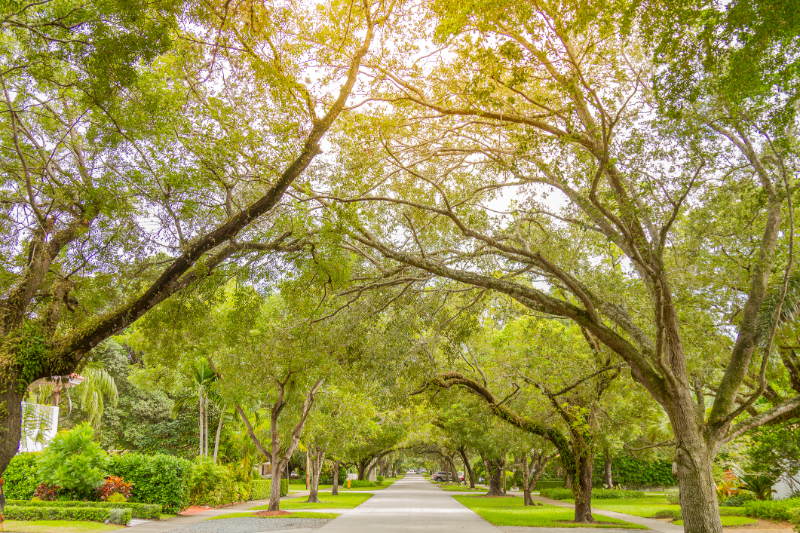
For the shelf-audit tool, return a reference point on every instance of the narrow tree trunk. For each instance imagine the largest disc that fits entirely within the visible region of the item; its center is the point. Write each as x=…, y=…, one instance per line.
x=608, y=480
x=467, y=467
x=219, y=429
x=568, y=480
x=200, y=403
x=335, y=489
x=206, y=424
x=362, y=469
x=316, y=462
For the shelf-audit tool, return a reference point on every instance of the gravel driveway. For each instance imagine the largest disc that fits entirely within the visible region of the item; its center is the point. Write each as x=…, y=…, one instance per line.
x=252, y=525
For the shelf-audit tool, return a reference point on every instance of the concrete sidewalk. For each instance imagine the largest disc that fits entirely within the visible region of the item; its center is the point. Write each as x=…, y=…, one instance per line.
x=411, y=505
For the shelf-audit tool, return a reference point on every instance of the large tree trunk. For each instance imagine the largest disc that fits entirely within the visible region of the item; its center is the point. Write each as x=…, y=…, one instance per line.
x=362, y=468
x=467, y=467
x=582, y=488
x=317, y=460
x=696, y=483
x=493, y=473
x=11, y=430
x=335, y=489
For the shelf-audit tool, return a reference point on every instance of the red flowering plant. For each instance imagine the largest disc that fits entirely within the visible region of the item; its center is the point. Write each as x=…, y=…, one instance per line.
x=114, y=485
x=46, y=493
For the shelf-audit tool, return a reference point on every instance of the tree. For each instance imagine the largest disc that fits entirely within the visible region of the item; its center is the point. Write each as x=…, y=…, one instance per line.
x=201, y=381
x=635, y=248
x=80, y=169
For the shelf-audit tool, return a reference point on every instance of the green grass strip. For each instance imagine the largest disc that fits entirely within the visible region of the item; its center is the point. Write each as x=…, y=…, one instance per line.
x=510, y=511
x=327, y=501
x=293, y=515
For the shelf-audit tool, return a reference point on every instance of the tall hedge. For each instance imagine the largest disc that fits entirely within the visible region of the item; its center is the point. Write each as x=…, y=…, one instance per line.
x=21, y=476
x=638, y=473
x=261, y=488
x=160, y=479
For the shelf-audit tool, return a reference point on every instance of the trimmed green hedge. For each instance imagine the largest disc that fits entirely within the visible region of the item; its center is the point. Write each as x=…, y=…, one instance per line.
x=363, y=483
x=138, y=510
x=89, y=514
x=597, y=494
x=549, y=484
x=157, y=479
x=261, y=488
x=772, y=509
x=22, y=476
x=629, y=471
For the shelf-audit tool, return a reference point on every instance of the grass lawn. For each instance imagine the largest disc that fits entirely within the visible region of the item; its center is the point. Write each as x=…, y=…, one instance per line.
x=57, y=526
x=729, y=521
x=509, y=511
x=648, y=506
x=457, y=488
x=299, y=514
x=342, y=501
x=645, y=507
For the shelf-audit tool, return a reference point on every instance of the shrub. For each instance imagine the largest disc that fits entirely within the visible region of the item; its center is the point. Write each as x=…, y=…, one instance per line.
x=116, y=516
x=611, y=494
x=597, y=494
x=557, y=494
x=629, y=471
x=668, y=513
x=261, y=488
x=160, y=479
x=138, y=510
x=361, y=483
x=210, y=484
x=738, y=500
x=771, y=509
x=114, y=486
x=379, y=479
x=45, y=492
x=673, y=496
x=74, y=462
x=117, y=497
x=794, y=518
x=549, y=484
x=22, y=476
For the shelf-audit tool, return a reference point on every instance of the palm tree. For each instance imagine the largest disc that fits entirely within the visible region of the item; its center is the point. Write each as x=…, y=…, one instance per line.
x=201, y=379
x=97, y=384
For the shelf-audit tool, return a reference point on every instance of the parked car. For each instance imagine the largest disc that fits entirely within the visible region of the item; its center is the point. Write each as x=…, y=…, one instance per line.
x=440, y=476
x=481, y=480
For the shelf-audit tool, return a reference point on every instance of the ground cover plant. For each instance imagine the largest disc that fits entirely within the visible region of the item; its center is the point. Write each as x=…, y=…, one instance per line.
x=327, y=501
x=729, y=521
x=510, y=511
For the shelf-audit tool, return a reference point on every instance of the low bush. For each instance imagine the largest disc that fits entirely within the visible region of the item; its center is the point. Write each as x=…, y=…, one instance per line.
x=355, y=483
x=597, y=494
x=612, y=494
x=557, y=494
x=668, y=513
x=92, y=514
x=114, y=486
x=21, y=476
x=794, y=518
x=159, y=479
x=261, y=487
x=139, y=510
x=772, y=509
x=74, y=462
x=549, y=484
x=46, y=493
x=672, y=496
x=738, y=500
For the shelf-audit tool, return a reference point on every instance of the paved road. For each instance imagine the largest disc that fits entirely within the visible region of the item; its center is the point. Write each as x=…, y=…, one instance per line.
x=410, y=505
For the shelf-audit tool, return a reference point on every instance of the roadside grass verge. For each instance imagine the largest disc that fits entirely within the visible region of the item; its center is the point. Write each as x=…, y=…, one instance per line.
x=510, y=511
x=61, y=526
x=648, y=506
x=457, y=488
x=299, y=514
x=327, y=501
